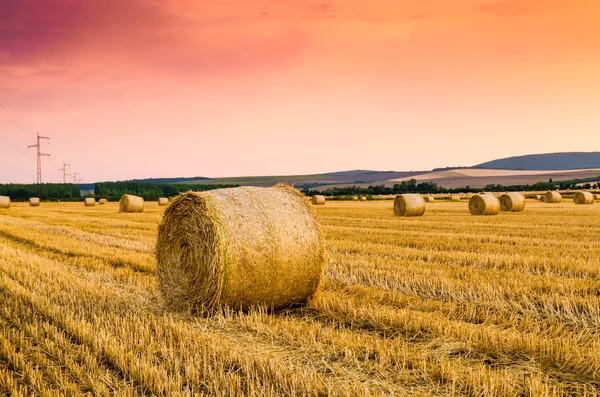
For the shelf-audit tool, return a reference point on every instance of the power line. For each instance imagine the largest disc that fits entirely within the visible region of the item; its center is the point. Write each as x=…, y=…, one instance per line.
x=38, y=145
x=10, y=143
x=14, y=121
x=64, y=170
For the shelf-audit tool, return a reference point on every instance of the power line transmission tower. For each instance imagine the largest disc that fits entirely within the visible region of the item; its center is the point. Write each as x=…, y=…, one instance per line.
x=39, y=156
x=64, y=170
x=76, y=177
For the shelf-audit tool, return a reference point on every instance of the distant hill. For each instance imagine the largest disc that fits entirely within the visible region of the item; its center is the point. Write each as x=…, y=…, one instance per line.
x=549, y=161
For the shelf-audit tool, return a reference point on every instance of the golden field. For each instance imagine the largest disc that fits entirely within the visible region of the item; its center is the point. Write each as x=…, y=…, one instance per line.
x=444, y=304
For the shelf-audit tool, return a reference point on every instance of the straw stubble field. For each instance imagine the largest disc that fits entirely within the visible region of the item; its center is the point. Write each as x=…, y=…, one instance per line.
x=444, y=304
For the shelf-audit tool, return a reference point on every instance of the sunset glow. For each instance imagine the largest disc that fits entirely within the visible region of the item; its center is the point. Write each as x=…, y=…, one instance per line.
x=165, y=88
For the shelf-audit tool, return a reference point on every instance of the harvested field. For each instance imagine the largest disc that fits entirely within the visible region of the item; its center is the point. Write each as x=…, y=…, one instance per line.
x=443, y=304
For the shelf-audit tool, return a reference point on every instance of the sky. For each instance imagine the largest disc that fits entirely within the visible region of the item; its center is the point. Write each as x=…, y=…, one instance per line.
x=166, y=88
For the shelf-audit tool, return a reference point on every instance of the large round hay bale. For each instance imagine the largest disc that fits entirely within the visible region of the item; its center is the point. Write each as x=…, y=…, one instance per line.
x=484, y=204
x=317, y=200
x=4, y=202
x=454, y=198
x=512, y=202
x=552, y=196
x=409, y=205
x=239, y=247
x=583, y=198
x=162, y=201
x=89, y=201
x=363, y=198
x=597, y=197
x=34, y=201
x=131, y=203
x=354, y=198
x=102, y=201
x=429, y=199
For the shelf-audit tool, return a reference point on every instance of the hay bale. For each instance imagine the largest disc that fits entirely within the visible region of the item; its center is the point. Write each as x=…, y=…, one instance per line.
x=512, y=202
x=239, y=247
x=583, y=198
x=354, y=198
x=4, y=202
x=454, y=198
x=102, y=201
x=89, y=201
x=162, y=201
x=317, y=200
x=131, y=203
x=34, y=201
x=552, y=196
x=409, y=205
x=363, y=198
x=484, y=204
x=429, y=199
x=597, y=197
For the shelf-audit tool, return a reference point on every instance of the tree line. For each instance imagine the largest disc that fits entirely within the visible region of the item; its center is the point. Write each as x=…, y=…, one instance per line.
x=45, y=191
x=149, y=191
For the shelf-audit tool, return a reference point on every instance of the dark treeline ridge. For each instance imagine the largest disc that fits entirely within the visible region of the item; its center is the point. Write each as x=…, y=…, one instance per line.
x=150, y=191
x=45, y=191
x=411, y=186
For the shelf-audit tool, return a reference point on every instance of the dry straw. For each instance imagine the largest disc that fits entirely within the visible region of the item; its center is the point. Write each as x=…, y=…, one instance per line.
x=162, y=201
x=131, y=203
x=409, y=205
x=239, y=247
x=552, y=197
x=454, y=198
x=34, y=201
x=102, y=201
x=512, y=202
x=4, y=202
x=429, y=199
x=484, y=204
x=354, y=198
x=363, y=198
x=317, y=200
x=89, y=201
x=597, y=196
x=583, y=198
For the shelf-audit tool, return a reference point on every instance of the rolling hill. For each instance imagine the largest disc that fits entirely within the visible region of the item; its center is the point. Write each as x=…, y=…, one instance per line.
x=549, y=161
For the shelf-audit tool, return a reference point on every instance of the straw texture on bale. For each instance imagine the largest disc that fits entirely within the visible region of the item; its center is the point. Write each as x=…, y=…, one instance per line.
x=102, y=201
x=89, y=201
x=409, y=205
x=354, y=198
x=552, y=197
x=4, y=202
x=583, y=198
x=162, y=201
x=363, y=198
x=317, y=200
x=429, y=199
x=131, y=203
x=34, y=201
x=454, y=198
x=512, y=202
x=239, y=247
x=484, y=204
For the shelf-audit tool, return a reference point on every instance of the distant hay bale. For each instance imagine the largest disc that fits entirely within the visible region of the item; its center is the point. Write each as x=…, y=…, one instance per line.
x=429, y=199
x=102, y=201
x=583, y=198
x=4, y=202
x=317, y=200
x=34, y=201
x=131, y=203
x=239, y=247
x=597, y=196
x=512, y=202
x=552, y=197
x=162, y=201
x=454, y=198
x=409, y=205
x=354, y=198
x=484, y=204
x=363, y=198
x=89, y=201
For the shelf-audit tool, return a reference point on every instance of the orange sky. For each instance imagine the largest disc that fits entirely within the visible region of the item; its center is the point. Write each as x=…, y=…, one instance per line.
x=164, y=88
